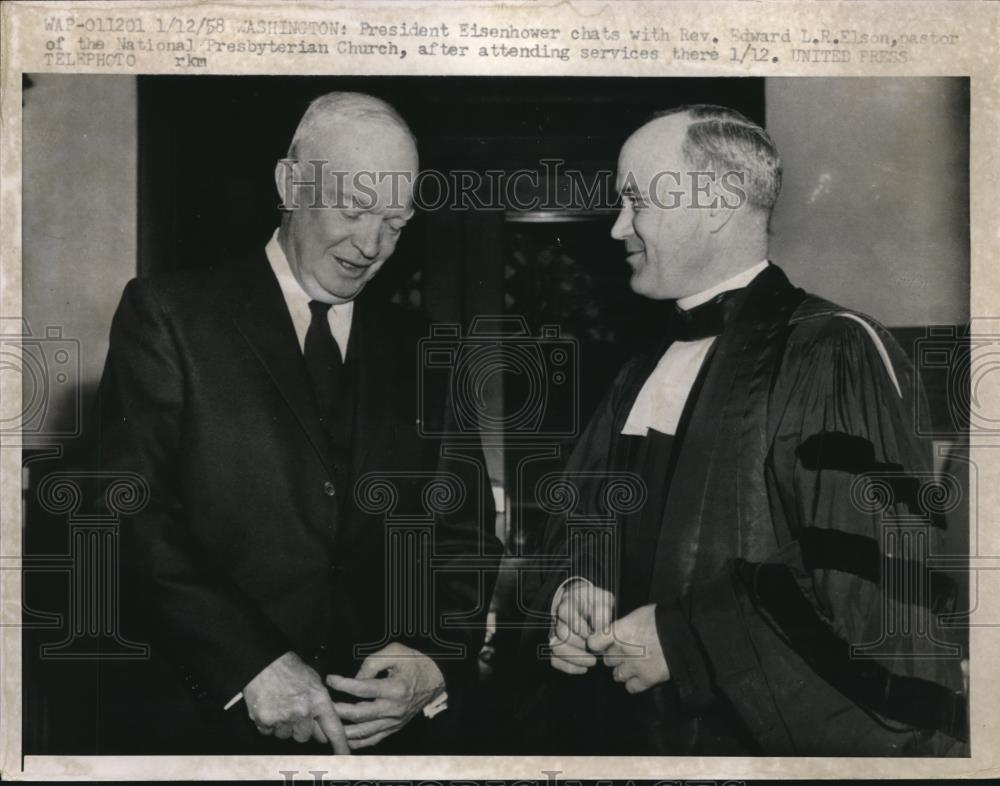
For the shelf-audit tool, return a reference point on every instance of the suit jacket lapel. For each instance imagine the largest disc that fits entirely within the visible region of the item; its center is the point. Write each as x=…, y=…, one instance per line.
x=261, y=315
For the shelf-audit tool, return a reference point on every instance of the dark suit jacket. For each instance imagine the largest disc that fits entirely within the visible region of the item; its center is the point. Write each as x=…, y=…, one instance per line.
x=247, y=548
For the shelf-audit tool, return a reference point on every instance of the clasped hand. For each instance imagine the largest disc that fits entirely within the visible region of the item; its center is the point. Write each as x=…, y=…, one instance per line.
x=583, y=630
x=289, y=699
x=411, y=681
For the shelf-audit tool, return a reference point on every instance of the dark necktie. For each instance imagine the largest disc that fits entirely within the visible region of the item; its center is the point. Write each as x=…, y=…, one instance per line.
x=323, y=359
x=704, y=320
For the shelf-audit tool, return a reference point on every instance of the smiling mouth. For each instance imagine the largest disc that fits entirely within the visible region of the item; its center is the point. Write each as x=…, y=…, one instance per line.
x=350, y=267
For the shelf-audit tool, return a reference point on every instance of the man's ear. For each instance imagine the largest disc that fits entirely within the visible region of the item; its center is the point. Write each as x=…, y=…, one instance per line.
x=284, y=177
x=721, y=212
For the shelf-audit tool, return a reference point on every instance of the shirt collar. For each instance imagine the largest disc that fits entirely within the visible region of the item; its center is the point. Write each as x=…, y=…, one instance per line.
x=738, y=281
x=290, y=286
x=341, y=315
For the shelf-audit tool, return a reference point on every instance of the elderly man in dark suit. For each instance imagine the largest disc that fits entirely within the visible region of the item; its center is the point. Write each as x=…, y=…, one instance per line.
x=254, y=398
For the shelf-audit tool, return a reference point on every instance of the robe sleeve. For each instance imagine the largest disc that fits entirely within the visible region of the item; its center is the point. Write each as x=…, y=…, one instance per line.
x=829, y=644
x=590, y=456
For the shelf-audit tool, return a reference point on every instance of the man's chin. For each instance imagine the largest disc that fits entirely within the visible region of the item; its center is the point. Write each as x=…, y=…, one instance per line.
x=341, y=291
x=647, y=290
x=347, y=296
x=639, y=286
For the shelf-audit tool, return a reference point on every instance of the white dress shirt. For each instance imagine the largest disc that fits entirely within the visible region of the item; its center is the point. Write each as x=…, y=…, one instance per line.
x=297, y=300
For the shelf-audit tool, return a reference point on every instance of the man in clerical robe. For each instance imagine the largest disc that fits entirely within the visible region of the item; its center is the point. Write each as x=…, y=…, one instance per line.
x=751, y=604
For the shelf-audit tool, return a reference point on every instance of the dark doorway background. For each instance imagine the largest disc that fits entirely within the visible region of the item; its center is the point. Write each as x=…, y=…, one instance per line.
x=208, y=145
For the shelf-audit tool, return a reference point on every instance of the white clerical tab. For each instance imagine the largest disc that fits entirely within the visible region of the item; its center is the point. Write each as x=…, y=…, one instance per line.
x=661, y=401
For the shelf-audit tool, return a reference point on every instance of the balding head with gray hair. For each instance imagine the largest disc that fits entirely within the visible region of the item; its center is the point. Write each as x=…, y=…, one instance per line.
x=720, y=139
x=698, y=184
x=346, y=193
x=332, y=111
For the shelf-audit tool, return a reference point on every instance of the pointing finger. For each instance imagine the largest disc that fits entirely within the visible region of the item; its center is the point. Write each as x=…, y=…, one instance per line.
x=333, y=729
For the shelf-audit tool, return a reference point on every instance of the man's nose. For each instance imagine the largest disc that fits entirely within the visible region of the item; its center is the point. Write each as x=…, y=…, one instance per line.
x=623, y=225
x=366, y=236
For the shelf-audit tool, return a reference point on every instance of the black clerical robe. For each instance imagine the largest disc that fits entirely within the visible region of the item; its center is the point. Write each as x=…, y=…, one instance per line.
x=793, y=599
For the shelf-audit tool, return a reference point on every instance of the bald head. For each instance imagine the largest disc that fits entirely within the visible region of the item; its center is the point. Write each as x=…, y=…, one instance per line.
x=721, y=140
x=698, y=184
x=656, y=147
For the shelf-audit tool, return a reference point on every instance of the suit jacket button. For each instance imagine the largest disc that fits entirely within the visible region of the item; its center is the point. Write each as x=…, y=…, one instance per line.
x=329, y=489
